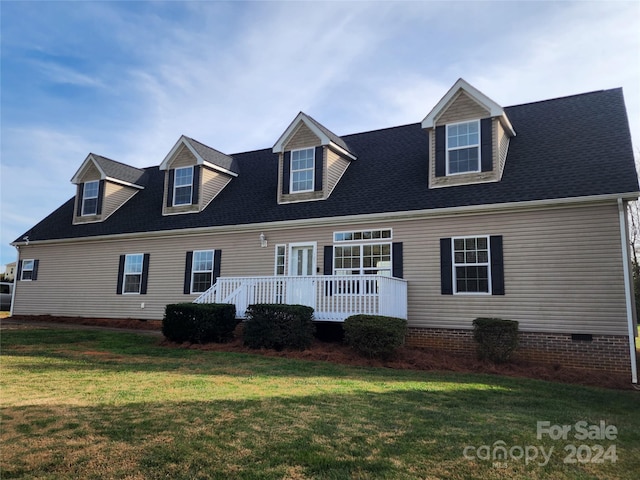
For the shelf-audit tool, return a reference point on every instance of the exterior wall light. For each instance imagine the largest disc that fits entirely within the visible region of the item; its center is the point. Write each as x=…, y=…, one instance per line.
x=263, y=240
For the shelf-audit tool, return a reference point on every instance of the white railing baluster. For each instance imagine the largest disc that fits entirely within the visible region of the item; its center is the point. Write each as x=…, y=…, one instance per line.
x=333, y=298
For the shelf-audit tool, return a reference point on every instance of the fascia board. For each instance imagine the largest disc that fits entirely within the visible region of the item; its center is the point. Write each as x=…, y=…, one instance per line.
x=76, y=177
x=494, y=109
x=301, y=117
x=356, y=219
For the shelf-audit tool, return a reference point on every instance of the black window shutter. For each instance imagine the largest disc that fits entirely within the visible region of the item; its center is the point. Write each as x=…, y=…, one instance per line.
x=100, y=197
x=120, y=274
x=446, y=273
x=318, y=169
x=441, y=153
x=34, y=276
x=497, y=265
x=195, y=199
x=187, y=273
x=328, y=267
x=80, y=195
x=286, y=172
x=172, y=174
x=19, y=274
x=145, y=273
x=396, y=254
x=486, y=145
x=217, y=254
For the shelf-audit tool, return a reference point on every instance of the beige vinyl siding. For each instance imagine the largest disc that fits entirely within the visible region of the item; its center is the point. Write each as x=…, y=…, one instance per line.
x=503, y=146
x=336, y=166
x=212, y=184
x=302, y=137
x=90, y=173
x=183, y=158
x=115, y=196
x=461, y=108
x=562, y=269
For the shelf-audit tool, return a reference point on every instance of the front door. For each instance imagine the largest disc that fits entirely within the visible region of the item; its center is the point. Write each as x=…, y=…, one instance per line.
x=302, y=263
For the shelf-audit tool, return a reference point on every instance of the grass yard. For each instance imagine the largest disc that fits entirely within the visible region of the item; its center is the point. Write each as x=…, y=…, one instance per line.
x=94, y=404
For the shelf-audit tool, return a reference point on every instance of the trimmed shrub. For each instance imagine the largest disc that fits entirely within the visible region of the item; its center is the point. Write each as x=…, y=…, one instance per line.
x=279, y=326
x=497, y=338
x=374, y=336
x=199, y=322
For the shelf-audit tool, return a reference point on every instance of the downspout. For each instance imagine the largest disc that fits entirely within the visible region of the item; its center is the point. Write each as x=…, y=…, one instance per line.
x=628, y=282
x=15, y=281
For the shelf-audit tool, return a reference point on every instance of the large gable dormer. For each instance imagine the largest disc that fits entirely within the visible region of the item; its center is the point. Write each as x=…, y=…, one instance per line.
x=468, y=138
x=194, y=175
x=103, y=186
x=311, y=161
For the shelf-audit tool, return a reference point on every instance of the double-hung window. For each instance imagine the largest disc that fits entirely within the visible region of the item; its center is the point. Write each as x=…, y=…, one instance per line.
x=90, y=198
x=132, y=278
x=27, y=270
x=302, y=170
x=183, y=186
x=202, y=271
x=463, y=147
x=471, y=265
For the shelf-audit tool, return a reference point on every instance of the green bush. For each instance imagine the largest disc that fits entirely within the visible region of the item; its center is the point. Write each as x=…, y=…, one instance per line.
x=497, y=338
x=279, y=326
x=199, y=323
x=374, y=335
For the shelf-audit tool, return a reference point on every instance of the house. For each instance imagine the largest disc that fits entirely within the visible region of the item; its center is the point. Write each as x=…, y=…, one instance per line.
x=10, y=271
x=479, y=210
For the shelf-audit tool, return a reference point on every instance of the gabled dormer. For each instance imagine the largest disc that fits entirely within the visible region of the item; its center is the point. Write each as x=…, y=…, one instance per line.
x=311, y=161
x=194, y=175
x=103, y=186
x=468, y=138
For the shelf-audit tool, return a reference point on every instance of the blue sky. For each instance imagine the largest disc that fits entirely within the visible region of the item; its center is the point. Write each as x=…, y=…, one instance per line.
x=126, y=79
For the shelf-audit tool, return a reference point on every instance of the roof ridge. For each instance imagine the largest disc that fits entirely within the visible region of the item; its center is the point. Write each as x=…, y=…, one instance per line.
x=114, y=161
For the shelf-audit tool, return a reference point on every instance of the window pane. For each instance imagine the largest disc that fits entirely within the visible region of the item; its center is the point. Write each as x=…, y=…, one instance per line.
x=182, y=196
x=90, y=206
x=91, y=189
x=133, y=264
x=203, y=261
x=183, y=177
x=201, y=282
x=132, y=283
x=482, y=243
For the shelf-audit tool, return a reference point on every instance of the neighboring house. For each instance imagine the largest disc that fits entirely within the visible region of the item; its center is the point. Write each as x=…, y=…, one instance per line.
x=480, y=210
x=10, y=271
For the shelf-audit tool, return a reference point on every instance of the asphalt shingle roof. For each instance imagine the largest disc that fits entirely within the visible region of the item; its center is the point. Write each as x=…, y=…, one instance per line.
x=214, y=156
x=568, y=147
x=118, y=170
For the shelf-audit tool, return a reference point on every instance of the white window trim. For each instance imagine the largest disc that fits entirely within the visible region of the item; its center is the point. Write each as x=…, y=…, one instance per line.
x=313, y=171
x=447, y=149
x=314, y=267
x=358, y=243
x=284, y=260
x=124, y=273
x=85, y=197
x=365, y=240
x=33, y=264
x=454, y=265
x=176, y=186
x=194, y=271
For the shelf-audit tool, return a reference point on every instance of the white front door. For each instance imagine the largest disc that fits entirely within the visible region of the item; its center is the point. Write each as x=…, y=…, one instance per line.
x=302, y=263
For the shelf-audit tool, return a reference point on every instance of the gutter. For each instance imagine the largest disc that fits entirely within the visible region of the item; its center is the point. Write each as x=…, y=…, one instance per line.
x=15, y=282
x=628, y=282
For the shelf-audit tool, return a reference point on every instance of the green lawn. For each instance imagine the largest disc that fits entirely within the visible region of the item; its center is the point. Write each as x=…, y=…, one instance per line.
x=93, y=404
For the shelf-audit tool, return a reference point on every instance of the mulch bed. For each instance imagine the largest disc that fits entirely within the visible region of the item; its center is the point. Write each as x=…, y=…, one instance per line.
x=406, y=358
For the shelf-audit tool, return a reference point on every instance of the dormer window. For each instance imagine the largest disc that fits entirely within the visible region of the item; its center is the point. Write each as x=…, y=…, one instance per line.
x=183, y=186
x=302, y=170
x=463, y=147
x=90, y=198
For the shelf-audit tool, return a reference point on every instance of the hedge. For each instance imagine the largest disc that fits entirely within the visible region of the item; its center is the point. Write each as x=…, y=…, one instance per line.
x=374, y=335
x=278, y=326
x=199, y=323
x=497, y=338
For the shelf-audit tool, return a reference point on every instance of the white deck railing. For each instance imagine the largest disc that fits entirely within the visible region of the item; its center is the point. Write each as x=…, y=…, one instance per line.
x=333, y=298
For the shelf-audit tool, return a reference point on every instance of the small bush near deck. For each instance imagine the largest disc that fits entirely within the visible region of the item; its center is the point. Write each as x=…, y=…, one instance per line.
x=374, y=336
x=199, y=323
x=279, y=326
x=497, y=338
